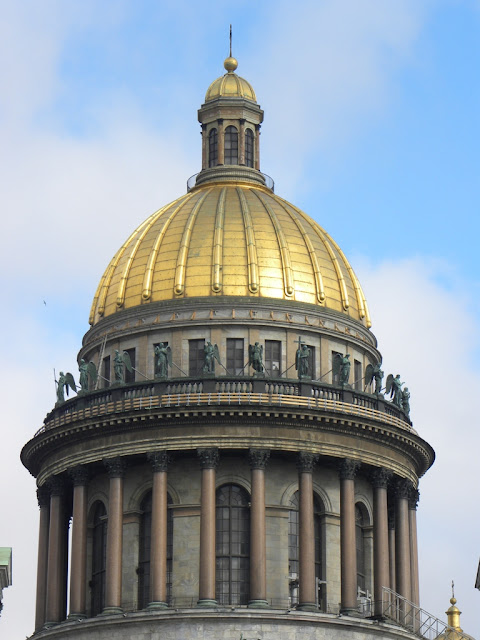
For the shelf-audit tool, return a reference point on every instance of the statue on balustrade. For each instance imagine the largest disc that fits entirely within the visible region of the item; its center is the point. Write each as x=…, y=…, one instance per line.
x=163, y=354
x=255, y=357
x=210, y=354
x=64, y=382
x=120, y=361
x=406, y=401
x=88, y=375
x=341, y=368
x=302, y=361
x=374, y=372
x=394, y=388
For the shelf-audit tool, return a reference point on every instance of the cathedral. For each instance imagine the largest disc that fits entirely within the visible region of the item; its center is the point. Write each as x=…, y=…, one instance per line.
x=235, y=463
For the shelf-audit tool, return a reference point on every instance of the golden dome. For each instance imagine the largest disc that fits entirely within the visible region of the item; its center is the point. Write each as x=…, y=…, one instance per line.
x=454, y=630
x=230, y=85
x=229, y=239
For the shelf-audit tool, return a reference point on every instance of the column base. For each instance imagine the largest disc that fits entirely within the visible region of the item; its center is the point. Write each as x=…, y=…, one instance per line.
x=258, y=604
x=155, y=606
x=307, y=606
x=350, y=611
x=76, y=616
x=206, y=602
x=111, y=611
x=49, y=625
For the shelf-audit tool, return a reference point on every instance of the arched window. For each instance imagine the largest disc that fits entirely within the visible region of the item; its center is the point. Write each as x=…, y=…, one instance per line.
x=145, y=551
x=232, y=545
x=293, y=549
x=231, y=146
x=249, y=149
x=212, y=148
x=360, y=546
x=99, y=558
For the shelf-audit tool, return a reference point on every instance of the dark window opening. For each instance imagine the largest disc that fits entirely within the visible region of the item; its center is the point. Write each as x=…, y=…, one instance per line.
x=106, y=372
x=273, y=357
x=249, y=148
x=195, y=356
x=130, y=375
x=235, y=356
x=357, y=373
x=231, y=146
x=213, y=148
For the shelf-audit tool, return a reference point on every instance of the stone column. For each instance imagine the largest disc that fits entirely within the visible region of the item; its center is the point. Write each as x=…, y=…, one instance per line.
x=381, y=568
x=241, y=146
x=208, y=463
x=54, y=602
x=204, y=147
x=391, y=547
x=412, y=517
x=221, y=142
x=306, y=539
x=257, y=148
x=113, y=579
x=402, y=539
x=348, y=549
x=78, y=570
x=258, y=459
x=43, y=497
x=158, y=547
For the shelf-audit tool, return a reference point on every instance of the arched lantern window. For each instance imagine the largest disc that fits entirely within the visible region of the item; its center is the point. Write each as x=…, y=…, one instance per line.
x=249, y=148
x=213, y=148
x=231, y=146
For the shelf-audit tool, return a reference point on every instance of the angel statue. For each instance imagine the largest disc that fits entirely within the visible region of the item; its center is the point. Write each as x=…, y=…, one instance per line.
x=88, y=374
x=394, y=388
x=164, y=360
x=65, y=380
x=341, y=368
x=374, y=372
x=120, y=361
x=301, y=360
x=255, y=357
x=406, y=401
x=210, y=354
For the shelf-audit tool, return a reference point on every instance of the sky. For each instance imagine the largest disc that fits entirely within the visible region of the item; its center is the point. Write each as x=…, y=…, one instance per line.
x=371, y=127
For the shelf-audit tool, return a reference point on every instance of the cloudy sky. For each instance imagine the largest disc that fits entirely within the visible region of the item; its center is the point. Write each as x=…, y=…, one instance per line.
x=371, y=126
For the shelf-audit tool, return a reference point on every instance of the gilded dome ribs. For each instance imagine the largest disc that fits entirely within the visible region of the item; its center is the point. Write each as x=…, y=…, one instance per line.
x=288, y=281
x=217, y=260
x=179, y=286
x=152, y=259
x=252, y=258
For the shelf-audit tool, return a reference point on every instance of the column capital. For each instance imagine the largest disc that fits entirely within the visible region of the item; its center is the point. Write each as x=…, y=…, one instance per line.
x=116, y=467
x=43, y=496
x=209, y=458
x=413, y=498
x=402, y=488
x=348, y=469
x=159, y=460
x=258, y=458
x=306, y=461
x=56, y=484
x=380, y=477
x=79, y=475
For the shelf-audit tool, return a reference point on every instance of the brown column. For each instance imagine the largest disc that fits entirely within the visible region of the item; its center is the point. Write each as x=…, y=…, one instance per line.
x=241, y=146
x=348, y=549
x=208, y=462
x=412, y=517
x=257, y=147
x=221, y=142
x=43, y=497
x=113, y=580
x=54, y=603
x=258, y=459
x=158, y=552
x=391, y=547
x=204, y=146
x=402, y=539
x=306, y=538
x=78, y=570
x=381, y=568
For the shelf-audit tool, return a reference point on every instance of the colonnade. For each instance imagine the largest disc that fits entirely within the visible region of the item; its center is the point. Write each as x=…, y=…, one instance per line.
x=220, y=126
x=395, y=562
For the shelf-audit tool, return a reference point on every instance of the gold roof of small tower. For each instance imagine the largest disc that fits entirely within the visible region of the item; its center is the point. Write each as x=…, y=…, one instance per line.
x=230, y=85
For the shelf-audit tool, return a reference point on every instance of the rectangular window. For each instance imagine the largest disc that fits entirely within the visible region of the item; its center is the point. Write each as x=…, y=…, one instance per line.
x=130, y=375
x=357, y=375
x=106, y=372
x=235, y=356
x=195, y=357
x=273, y=357
x=311, y=361
x=335, y=376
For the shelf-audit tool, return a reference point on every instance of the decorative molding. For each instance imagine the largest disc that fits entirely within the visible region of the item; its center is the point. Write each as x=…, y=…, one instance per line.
x=159, y=460
x=79, y=475
x=306, y=461
x=258, y=458
x=209, y=458
x=43, y=496
x=413, y=498
x=348, y=469
x=116, y=467
x=403, y=488
x=56, y=484
x=380, y=477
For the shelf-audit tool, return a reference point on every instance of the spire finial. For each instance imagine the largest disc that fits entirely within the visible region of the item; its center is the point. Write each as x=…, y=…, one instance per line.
x=230, y=41
x=230, y=63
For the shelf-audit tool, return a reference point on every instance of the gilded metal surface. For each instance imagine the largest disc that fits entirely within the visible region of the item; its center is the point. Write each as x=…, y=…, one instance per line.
x=230, y=86
x=230, y=239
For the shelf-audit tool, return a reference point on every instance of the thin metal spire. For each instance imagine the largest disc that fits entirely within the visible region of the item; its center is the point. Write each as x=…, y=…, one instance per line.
x=453, y=589
x=230, y=41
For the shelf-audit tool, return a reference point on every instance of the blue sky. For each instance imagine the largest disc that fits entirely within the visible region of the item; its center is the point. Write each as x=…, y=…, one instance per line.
x=371, y=126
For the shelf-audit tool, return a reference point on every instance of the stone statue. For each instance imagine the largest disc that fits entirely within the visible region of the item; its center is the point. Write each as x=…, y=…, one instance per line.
x=210, y=354
x=88, y=373
x=255, y=357
x=64, y=382
x=341, y=368
x=164, y=360
x=301, y=360
x=374, y=372
x=406, y=401
x=120, y=361
x=394, y=388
